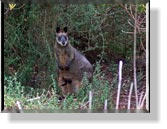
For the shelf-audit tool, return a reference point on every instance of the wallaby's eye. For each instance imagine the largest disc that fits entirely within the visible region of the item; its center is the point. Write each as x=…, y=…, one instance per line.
x=59, y=38
x=57, y=29
x=65, y=29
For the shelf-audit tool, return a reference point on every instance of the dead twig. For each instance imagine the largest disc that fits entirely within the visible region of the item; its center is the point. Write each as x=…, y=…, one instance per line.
x=130, y=94
x=127, y=32
x=142, y=102
x=105, y=104
x=141, y=96
x=30, y=100
x=84, y=105
x=90, y=99
x=19, y=106
x=119, y=83
x=134, y=59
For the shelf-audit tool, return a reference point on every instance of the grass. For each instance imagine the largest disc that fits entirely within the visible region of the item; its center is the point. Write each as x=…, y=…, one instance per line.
x=30, y=67
x=43, y=99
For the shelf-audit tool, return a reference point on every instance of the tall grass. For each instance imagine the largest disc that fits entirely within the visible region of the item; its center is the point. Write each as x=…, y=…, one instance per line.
x=95, y=30
x=41, y=99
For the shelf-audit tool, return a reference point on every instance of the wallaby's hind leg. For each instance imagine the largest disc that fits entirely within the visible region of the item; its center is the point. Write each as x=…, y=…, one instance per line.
x=68, y=84
x=65, y=85
x=62, y=84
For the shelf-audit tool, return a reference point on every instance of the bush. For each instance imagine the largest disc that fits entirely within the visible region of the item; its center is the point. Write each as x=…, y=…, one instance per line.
x=95, y=30
x=49, y=100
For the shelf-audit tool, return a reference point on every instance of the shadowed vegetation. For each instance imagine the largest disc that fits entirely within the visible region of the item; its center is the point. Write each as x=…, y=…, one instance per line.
x=103, y=33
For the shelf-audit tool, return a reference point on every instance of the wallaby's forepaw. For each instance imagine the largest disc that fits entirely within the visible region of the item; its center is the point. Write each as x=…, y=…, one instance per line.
x=61, y=98
x=67, y=67
x=60, y=67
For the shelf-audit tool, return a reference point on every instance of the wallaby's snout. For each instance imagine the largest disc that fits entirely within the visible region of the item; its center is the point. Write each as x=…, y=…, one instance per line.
x=61, y=36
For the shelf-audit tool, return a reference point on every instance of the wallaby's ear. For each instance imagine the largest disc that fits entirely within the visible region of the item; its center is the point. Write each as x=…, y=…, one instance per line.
x=65, y=29
x=57, y=29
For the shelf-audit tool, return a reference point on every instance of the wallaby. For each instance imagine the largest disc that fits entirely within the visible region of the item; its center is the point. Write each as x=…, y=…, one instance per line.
x=71, y=64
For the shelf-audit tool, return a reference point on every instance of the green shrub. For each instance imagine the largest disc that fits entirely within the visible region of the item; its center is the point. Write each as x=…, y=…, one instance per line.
x=15, y=91
x=94, y=30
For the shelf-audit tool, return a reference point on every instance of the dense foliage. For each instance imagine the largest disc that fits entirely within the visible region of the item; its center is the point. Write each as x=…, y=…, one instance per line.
x=101, y=32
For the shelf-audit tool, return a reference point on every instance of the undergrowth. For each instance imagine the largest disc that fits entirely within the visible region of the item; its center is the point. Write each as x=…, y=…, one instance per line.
x=94, y=30
x=42, y=99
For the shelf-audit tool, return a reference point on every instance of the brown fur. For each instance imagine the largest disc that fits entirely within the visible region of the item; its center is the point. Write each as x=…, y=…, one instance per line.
x=72, y=65
x=67, y=82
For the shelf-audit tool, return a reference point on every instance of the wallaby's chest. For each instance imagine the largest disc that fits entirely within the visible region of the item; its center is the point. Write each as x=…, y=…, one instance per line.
x=63, y=56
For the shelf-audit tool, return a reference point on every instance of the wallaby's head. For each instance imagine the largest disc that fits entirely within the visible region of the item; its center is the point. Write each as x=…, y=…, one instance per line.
x=61, y=36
